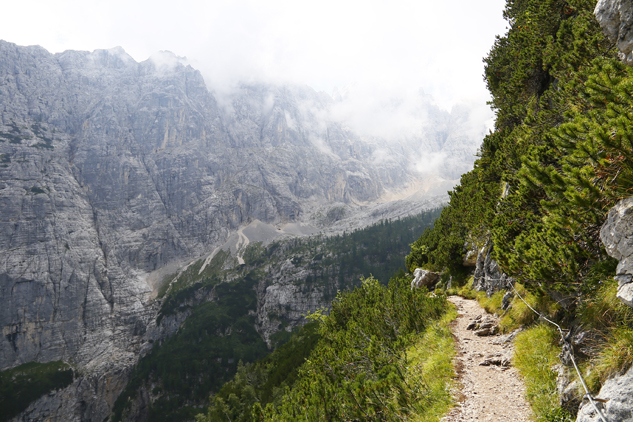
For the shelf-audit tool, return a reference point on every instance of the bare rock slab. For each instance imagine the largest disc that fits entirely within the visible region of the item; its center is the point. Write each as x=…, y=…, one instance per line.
x=615, y=401
x=617, y=235
x=616, y=19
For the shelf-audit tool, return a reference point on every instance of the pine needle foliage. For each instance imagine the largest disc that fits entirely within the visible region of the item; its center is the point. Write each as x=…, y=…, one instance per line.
x=559, y=158
x=358, y=371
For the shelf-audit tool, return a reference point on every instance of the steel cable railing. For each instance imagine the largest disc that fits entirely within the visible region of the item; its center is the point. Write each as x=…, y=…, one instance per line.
x=571, y=354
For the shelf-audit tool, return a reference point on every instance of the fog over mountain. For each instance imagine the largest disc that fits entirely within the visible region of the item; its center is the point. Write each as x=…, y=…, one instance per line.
x=398, y=46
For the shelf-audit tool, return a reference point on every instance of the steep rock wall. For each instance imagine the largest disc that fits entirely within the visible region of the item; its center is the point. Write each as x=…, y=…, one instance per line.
x=488, y=277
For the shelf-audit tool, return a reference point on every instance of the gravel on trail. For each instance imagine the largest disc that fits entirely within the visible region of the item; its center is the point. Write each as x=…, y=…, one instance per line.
x=489, y=388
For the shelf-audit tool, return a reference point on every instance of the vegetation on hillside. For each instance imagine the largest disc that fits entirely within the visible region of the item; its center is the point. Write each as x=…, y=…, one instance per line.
x=560, y=156
x=219, y=302
x=544, y=178
x=382, y=354
x=263, y=382
x=23, y=384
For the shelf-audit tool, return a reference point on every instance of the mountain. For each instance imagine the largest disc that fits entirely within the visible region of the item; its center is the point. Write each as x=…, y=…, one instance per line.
x=115, y=173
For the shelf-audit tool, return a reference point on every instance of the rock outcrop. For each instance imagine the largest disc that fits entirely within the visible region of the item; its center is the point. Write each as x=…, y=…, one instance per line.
x=470, y=254
x=617, y=236
x=616, y=19
x=424, y=278
x=488, y=277
x=615, y=400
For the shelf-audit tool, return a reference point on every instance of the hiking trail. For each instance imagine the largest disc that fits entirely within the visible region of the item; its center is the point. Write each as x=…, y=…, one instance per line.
x=489, y=388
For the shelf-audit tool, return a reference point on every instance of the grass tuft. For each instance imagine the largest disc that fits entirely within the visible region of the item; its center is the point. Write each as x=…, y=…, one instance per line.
x=535, y=355
x=519, y=314
x=613, y=322
x=465, y=291
x=493, y=303
x=430, y=363
x=617, y=355
x=603, y=310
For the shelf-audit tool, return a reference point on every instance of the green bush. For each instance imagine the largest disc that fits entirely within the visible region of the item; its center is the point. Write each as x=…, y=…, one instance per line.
x=358, y=370
x=23, y=384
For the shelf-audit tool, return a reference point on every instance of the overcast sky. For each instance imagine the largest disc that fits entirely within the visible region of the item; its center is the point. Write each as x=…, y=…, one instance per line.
x=393, y=46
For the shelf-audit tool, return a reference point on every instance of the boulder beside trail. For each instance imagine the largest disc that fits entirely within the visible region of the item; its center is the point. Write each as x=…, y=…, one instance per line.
x=615, y=400
x=424, y=278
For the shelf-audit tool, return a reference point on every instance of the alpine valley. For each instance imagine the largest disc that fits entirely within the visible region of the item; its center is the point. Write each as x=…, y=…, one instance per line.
x=153, y=235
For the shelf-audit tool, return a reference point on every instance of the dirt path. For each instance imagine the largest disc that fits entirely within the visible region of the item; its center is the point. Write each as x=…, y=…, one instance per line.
x=493, y=392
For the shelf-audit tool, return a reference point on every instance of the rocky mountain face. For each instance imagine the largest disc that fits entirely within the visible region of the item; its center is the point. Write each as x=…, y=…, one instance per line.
x=113, y=172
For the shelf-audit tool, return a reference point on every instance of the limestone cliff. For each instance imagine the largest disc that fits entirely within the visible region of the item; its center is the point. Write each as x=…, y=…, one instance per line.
x=112, y=171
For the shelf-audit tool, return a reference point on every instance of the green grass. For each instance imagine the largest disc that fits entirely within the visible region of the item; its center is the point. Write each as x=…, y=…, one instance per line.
x=535, y=354
x=430, y=367
x=22, y=385
x=465, y=291
x=493, y=303
x=612, y=321
x=518, y=314
x=615, y=357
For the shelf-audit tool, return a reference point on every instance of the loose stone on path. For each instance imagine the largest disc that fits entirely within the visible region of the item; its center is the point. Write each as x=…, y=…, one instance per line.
x=491, y=389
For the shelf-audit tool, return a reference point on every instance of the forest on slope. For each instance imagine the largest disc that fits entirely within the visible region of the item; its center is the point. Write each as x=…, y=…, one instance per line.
x=382, y=353
x=560, y=155
x=222, y=305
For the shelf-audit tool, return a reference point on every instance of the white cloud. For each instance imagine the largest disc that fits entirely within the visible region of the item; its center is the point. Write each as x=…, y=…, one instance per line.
x=166, y=61
x=430, y=163
x=426, y=44
x=401, y=65
x=387, y=112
